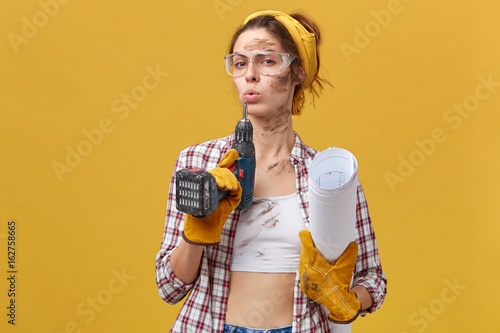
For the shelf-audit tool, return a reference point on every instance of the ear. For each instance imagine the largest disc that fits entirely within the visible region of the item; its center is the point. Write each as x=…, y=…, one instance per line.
x=300, y=74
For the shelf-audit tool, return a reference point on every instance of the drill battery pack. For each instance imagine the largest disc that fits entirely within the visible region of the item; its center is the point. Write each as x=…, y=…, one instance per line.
x=197, y=192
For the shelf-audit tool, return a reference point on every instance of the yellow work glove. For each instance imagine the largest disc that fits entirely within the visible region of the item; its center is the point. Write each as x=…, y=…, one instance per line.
x=207, y=230
x=326, y=283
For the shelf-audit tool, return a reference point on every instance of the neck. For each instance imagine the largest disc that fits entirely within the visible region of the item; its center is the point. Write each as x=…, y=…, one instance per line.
x=273, y=138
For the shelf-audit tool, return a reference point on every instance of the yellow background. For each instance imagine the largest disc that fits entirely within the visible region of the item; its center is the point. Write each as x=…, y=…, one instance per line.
x=436, y=226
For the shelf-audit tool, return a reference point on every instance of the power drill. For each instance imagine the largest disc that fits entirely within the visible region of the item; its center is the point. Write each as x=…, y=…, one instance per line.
x=196, y=190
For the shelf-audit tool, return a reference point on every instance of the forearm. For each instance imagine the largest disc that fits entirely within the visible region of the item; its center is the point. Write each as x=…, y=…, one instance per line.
x=186, y=260
x=363, y=296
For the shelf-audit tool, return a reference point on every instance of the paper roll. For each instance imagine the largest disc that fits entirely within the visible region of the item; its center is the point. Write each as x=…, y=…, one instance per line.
x=333, y=180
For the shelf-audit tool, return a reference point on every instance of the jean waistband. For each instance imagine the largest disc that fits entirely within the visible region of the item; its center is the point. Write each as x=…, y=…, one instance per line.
x=228, y=328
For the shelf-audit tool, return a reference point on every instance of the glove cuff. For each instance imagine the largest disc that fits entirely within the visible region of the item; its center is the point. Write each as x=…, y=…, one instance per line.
x=192, y=242
x=336, y=320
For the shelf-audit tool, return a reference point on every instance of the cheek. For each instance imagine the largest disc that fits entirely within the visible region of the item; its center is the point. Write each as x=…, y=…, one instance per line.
x=280, y=84
x=238, y=84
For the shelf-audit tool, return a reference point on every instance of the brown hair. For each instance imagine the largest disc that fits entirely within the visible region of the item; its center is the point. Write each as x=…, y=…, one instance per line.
x=278, y=30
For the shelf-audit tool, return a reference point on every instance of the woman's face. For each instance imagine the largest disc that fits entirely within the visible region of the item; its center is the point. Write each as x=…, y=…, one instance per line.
x=265, y=95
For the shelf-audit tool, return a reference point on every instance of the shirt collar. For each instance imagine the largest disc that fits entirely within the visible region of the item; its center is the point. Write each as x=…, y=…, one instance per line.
x=297, y=154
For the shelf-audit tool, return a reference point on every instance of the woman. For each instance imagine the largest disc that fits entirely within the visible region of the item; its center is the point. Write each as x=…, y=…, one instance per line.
x=249, y=278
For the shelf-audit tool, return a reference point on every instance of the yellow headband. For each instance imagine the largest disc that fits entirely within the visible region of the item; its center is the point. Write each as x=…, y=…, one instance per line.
x=305, y=42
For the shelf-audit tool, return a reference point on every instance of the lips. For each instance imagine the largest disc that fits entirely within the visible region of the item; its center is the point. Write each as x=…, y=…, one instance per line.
x=251, y=95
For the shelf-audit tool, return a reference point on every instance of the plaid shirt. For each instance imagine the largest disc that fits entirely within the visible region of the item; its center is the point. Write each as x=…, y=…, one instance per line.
x=205, y=308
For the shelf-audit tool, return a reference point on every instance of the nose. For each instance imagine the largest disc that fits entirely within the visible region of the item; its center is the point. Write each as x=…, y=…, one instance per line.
x=251, y=73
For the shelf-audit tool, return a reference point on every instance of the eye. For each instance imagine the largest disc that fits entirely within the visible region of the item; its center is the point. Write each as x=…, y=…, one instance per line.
x=240, y=64
x=268, y=60
x=239, y=61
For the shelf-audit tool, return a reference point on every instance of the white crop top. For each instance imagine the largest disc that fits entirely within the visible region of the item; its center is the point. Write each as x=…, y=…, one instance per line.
x=267, y=236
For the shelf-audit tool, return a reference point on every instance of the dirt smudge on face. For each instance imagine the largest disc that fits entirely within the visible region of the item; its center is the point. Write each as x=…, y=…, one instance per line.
x=258, y=44
x=280, y=85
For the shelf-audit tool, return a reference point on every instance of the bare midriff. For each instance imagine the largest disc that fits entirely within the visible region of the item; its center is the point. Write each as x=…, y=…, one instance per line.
x=260, y=300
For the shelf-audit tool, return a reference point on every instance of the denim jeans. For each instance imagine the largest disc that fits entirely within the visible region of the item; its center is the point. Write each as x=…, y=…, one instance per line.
x=228, y=328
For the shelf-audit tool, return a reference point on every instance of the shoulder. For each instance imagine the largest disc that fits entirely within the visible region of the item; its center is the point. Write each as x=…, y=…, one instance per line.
x=207, y=154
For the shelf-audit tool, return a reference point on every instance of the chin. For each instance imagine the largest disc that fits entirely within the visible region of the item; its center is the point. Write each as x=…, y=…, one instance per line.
x=255, y=109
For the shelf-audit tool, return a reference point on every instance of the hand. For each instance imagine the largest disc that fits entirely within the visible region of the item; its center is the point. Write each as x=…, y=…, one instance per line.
x=327, y=283
x=207, y=230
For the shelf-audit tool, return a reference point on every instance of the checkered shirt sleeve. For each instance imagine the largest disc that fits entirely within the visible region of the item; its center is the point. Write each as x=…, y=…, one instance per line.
x=368, y=272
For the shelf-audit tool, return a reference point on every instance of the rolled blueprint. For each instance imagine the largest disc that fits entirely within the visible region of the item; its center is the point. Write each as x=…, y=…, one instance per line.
x=333, y=181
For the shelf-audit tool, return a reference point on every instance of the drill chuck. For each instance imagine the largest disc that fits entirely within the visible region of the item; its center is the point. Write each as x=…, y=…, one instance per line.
x=243, y=139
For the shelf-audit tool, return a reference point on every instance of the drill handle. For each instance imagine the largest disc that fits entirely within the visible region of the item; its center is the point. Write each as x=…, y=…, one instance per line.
x=244, y=170
x=245, y=173
x=222, y=194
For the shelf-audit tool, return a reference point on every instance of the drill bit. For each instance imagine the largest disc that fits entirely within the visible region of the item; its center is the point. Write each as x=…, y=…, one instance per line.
x=245, y=110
